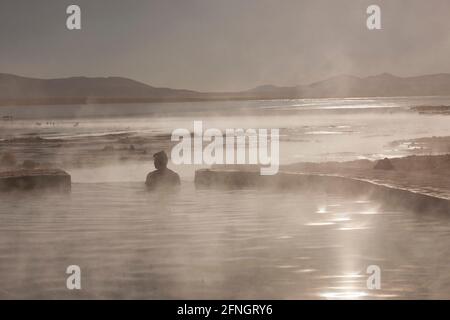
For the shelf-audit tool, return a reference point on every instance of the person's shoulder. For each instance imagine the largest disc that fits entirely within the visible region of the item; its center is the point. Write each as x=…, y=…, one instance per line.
x=173, y=174
x=153, y=173
x=171, y=171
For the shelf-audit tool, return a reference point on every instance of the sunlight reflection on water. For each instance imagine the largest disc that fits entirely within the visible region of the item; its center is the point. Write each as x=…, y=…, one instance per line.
x=215, y=244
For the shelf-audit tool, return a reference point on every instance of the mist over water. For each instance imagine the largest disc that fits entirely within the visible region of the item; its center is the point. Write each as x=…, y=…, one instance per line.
x=313, y=130
x=218, y=243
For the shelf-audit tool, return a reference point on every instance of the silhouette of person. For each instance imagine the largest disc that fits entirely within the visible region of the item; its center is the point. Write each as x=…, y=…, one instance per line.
x=162, y=177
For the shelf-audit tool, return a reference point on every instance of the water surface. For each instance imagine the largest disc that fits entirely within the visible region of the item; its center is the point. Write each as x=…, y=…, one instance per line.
x=207, y=244
x=215, y=243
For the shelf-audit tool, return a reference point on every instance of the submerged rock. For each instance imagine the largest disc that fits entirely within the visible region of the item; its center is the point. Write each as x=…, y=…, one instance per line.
x=8, y=160
x=109, y=148
x=384, y=164
x=29, y=179
x=30, y=164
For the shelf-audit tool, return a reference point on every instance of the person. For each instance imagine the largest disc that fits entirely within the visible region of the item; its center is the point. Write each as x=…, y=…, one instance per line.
x=162, y=177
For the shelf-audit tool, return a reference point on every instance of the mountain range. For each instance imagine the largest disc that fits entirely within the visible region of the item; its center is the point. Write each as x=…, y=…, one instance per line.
x=17, y=90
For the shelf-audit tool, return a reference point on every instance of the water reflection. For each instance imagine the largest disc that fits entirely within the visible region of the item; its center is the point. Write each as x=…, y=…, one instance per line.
x=210, y=244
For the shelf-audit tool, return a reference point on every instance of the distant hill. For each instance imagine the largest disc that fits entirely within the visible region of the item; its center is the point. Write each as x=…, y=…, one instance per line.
x=21, y=90
x=383, y=85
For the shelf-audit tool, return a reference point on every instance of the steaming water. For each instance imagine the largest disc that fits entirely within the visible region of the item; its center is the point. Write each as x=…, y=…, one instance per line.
x=223, y=244
x=217, y=244
x=311, y=129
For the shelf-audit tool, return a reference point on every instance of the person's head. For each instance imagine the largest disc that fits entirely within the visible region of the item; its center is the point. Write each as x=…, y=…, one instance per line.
x=160, y=160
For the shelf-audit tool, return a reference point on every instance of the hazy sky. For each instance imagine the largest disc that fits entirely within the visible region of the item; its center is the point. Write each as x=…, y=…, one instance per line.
x=224, y=44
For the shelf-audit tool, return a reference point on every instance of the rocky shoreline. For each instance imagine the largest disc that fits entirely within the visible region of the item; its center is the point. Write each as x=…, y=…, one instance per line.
x=442, y=110
x=327, y=183
x=421, y=183
x=35, y=179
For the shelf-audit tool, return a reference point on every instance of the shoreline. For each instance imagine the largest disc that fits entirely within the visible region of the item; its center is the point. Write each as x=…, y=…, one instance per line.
x=96, y=101
x=417, y=201
x=420, y=182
